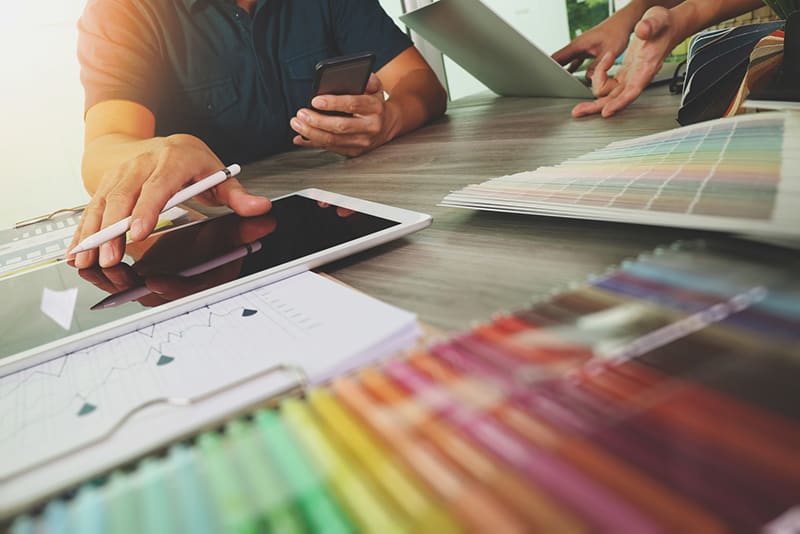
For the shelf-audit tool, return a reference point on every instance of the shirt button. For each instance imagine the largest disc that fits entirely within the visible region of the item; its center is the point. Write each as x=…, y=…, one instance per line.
x=210, y=107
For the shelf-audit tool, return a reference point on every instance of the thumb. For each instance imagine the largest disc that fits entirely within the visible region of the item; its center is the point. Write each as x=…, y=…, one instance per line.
x=374, y=85
x=235, y=196
x=653, y=23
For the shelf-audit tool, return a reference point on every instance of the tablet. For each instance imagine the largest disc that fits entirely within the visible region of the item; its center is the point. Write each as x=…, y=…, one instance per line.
x=58, y=309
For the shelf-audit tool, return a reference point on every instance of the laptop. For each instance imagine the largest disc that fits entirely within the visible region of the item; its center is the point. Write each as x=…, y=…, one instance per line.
x=487, y=47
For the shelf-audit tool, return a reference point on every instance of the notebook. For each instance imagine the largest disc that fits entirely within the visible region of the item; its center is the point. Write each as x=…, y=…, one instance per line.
x=71, y=418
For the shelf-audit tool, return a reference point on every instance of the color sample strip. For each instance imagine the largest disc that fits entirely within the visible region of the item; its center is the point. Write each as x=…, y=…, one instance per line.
x=528, y=500
x=88, y=511
x=56, y=517
x=720, y=488
x=670, y=508
x=121, y=494
x=157, y=506
x=602, y=508
x=725, y=175
x=353, y=488
x=570, y=416
x=194, y=507
x=23, y=524
x=724, y=435
x=233, y=504
x=309, y=486
x=478, y=508
x=268, y=492
x=397, y=484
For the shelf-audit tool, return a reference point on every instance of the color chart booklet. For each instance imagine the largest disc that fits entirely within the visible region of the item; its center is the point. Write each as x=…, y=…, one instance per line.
x=739, y=174
x=74, y=417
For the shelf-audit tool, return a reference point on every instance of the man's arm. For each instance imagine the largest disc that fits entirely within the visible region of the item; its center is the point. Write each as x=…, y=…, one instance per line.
x=415, y=97
x=129, y=171
x=656, y=34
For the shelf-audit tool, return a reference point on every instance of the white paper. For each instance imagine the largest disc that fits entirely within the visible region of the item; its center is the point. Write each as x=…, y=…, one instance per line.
x=306, y=321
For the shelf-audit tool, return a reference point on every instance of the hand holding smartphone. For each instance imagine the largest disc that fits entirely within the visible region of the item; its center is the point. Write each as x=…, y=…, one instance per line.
x=343, y=75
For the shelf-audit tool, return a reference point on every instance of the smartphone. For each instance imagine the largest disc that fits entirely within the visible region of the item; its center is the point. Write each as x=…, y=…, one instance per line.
x=57, y=309
x=344, y=75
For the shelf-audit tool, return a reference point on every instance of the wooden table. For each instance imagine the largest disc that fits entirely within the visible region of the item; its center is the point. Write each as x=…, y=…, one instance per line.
x=470, y=264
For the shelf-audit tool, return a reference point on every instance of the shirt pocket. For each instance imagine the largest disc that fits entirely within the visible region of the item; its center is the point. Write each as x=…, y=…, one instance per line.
x=208, y=100
x=298, y=76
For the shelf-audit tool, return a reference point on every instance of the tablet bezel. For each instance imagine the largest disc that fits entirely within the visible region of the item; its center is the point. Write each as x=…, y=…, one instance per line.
x=408, y=222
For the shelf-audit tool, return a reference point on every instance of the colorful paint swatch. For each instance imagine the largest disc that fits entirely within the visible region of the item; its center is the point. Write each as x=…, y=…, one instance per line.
x=735, y=174
x=659, y=397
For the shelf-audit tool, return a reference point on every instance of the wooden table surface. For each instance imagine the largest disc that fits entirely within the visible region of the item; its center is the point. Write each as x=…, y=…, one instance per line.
x=470, y=264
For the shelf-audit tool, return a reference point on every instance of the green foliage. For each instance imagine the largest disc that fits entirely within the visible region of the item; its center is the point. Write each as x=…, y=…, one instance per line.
x=585, y=14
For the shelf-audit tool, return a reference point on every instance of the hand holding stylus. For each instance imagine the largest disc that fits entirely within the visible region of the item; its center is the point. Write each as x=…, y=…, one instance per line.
x=141, y=187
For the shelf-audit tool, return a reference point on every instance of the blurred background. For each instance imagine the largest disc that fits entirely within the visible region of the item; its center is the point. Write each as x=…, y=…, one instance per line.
x=41, y=133
x=42, y=99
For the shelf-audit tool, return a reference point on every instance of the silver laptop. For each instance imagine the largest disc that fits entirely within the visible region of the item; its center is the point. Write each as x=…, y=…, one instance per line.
x=490, y=49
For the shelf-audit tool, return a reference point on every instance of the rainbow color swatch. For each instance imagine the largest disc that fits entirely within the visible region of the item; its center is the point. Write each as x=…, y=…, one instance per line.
x=738, y=174
x=660, y=397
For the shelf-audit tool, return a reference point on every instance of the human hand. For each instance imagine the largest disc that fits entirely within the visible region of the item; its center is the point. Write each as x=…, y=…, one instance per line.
x=609, y=37
x=182, y=263
x=368, y=126
x=141, y=187
x=655, y=36
x=340, y=211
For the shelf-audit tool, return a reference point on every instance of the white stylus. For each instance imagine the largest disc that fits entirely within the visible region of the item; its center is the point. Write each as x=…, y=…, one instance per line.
x=120, y=227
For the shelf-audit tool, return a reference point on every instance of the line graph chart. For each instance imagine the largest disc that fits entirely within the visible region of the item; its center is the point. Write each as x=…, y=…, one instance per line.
x=85, y=393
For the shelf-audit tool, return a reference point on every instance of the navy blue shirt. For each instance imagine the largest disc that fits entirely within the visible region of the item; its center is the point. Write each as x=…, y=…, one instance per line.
x=207, y=68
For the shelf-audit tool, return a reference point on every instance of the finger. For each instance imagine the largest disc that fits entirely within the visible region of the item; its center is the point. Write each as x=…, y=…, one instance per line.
x=122, y=276
x=254, y=229
x=591, y=67
x=76, y=236
x=589, y=108
x=120, y=200
x=602, y=85
x=334, y=124
x=96, y=277
x=652, y=24
x=351, y=104
x=349, y=151
x=164, y=180
x=575, y=65
x=318, y=138
x=235, y=196
x=566, y=54
x=621, y=100
x=344, y=212
x=91, y=219
x=374, y=85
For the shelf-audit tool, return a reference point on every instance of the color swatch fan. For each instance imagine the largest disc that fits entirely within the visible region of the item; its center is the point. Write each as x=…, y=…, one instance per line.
x=738, y=174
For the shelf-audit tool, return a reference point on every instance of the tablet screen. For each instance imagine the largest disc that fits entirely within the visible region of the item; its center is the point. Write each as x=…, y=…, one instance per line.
x=57, y=301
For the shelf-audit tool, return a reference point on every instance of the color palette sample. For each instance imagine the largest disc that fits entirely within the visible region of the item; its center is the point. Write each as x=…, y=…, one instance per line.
x=661, y=396
x=735, y=174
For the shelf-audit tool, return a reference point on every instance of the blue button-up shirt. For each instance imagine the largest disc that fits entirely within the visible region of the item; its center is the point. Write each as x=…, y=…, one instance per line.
x=207, y=68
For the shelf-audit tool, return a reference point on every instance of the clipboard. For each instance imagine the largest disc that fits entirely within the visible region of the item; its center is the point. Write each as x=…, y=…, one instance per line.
x=44, y=239
x=153, y=424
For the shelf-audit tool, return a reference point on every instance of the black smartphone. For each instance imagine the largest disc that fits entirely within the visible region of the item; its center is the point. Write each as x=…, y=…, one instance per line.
x=343, y=75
